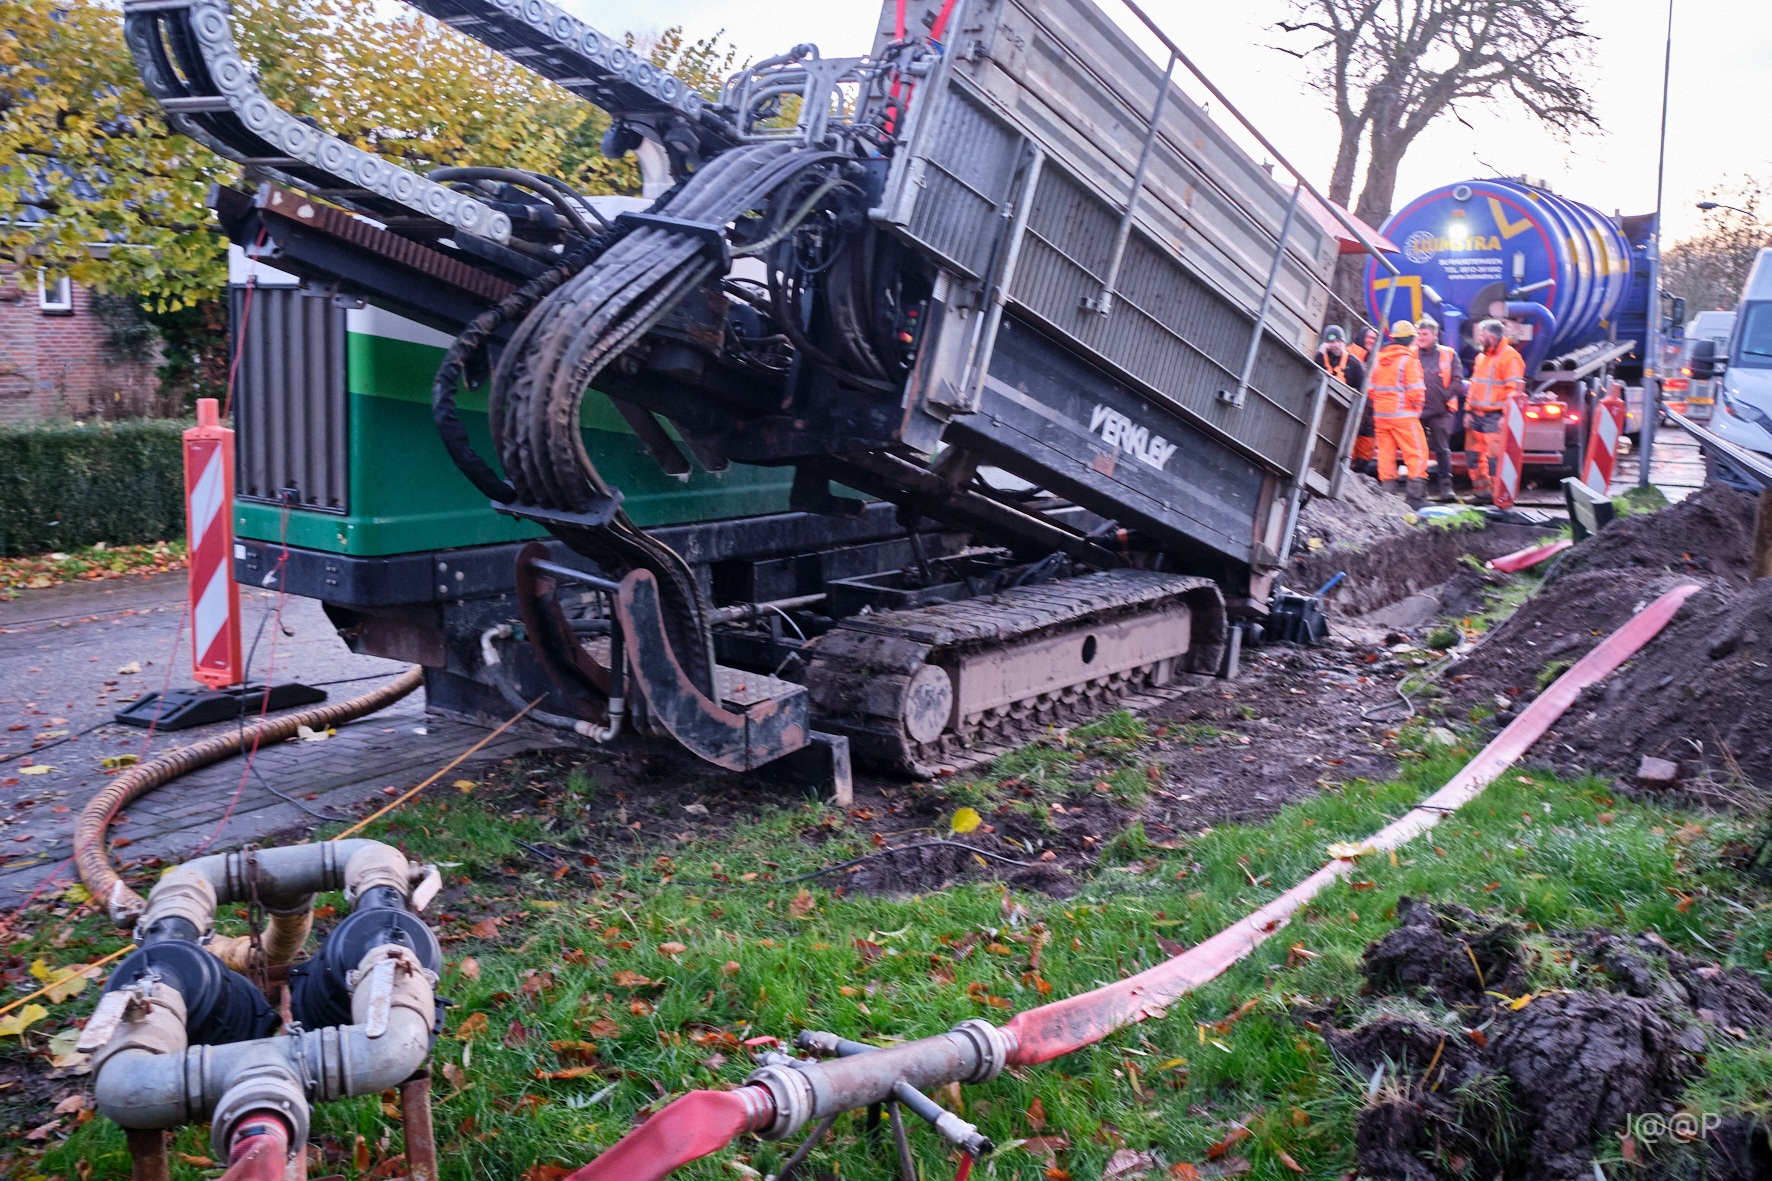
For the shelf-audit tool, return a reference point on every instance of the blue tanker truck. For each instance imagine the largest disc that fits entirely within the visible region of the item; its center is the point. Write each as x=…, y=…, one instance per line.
x=1571, y=283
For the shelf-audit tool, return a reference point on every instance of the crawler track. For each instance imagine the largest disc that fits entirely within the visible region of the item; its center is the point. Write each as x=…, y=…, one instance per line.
x=877, y=678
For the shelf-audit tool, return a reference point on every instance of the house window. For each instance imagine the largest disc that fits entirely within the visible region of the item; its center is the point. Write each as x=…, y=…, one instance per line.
x=55, y=296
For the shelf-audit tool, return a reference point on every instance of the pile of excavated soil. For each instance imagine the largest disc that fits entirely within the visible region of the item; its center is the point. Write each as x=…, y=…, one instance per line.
x=1709, y=534
x=1698, y=694
x=1359, y=517
x=1389, y=564
x=1487, y=1090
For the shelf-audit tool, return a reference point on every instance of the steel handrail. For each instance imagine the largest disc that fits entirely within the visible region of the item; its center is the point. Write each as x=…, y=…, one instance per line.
x=1334, y=210
x=1750, y=463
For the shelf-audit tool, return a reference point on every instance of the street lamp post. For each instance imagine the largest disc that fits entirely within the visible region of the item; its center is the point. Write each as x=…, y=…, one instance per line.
x=1652, y=353
x=1707, y=206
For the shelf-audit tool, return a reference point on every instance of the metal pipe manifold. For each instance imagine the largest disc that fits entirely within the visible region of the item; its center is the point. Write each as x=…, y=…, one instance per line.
x=974, y=1051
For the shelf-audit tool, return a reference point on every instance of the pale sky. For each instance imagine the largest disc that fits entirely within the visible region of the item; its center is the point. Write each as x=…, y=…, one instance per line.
x=1719, y=106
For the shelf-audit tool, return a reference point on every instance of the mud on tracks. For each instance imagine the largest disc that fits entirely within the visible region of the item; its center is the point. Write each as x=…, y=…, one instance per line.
x=1467, y=1086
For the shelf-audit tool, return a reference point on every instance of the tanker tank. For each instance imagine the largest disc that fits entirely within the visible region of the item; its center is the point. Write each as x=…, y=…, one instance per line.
x=1567, y=275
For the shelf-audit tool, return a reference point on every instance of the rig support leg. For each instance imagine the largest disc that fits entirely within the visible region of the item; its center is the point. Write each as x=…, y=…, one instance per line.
x=147, y=1155
x=421, y=1139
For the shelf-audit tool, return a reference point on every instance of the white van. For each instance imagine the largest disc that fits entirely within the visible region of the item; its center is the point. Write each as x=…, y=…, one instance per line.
x=1696, y=397
x=1744, y=399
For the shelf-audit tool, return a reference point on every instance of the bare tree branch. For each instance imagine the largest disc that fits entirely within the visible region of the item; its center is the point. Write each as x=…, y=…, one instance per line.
x=1391, y=68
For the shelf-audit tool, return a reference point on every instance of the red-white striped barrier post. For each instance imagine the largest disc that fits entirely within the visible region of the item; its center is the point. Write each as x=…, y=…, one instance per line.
x=1513, y=452
x=209, y=503
x=1602, y=440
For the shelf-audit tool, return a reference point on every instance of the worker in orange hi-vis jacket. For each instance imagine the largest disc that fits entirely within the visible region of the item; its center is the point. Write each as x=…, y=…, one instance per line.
x=1336, y=355
x=1398, y=391
x=1363, y=350
x=1498, y=374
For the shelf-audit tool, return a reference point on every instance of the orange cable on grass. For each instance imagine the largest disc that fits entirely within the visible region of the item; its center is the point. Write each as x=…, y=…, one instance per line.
x=80, y=971
x=502, y=727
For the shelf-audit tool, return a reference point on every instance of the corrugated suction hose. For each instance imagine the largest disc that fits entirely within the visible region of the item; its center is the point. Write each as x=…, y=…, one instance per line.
x=94, y=863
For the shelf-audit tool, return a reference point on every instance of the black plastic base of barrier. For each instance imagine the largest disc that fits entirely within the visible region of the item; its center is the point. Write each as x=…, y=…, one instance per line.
x=184, y=708
x=1589, y=511
x=1298, y=619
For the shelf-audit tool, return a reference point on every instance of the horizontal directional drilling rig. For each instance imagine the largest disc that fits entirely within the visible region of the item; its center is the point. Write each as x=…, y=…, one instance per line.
x=937, y=395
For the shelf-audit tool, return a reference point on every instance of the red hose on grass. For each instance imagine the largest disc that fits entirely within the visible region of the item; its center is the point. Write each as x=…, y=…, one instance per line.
x=699, y=1123
x=703, y=1122
x=1064, y=1026
x=1531, y=556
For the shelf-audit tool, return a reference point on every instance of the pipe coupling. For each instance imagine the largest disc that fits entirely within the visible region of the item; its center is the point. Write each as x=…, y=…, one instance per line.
x=377, y=865
x=183, y=893
x=791, y=1091
x=390, y=977
x=148, y=1016
x=993, y=1045
x=820, y=1042
x=275, y=877
x=268, y=1087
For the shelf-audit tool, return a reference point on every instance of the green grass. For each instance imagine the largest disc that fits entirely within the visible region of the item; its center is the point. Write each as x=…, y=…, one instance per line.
x=1460, y=520
x=770, y=956
x=1639, y=500
x=1501, y=602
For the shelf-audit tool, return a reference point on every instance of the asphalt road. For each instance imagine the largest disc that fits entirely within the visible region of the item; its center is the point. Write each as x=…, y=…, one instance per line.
x=68, y=662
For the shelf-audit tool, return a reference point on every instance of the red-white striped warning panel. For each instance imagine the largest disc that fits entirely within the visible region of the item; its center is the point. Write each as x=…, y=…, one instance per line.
x=1513, y=452
x=215, y=600
x=1602, y=440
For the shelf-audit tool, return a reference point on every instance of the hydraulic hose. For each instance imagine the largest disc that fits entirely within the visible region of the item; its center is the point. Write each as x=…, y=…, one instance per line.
x=544, y=187
x=703, y=1122
x=96, y=871
x=582, y=325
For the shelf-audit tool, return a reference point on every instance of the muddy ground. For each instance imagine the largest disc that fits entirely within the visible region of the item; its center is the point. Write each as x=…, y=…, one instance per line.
x=1238, y=751
x=1466, y=1085
x=1226, y=751
x=1698, y=695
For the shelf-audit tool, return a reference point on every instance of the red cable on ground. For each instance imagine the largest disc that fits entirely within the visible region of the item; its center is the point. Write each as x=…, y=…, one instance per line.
x=703, y=1122
x=265, y=701
x=245, y=319
x=177, y=635
x=1531, y=556
x=165, y=685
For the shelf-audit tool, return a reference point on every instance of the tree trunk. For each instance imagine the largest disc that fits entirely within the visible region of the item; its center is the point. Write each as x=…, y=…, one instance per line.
x=1762, y=567
x=1347, y=158
x=1348, y=287
x=1381, y=176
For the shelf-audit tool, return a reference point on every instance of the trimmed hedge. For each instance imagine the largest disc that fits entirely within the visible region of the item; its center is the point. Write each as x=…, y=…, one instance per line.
x=63, y=485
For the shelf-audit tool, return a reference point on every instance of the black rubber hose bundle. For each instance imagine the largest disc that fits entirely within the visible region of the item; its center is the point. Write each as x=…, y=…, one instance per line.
x=472, y=342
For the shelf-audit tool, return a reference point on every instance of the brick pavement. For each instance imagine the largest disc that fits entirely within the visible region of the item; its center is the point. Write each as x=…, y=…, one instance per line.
x=59, y=647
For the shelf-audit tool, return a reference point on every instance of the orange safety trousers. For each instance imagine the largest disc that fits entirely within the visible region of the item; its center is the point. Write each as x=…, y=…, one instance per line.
x=1494, y=377
x=1482, y=456
x=1401, y=437
x=1397, y=393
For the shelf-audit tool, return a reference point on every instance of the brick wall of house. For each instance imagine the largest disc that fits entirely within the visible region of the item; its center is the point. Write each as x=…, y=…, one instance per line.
x=54, y=364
